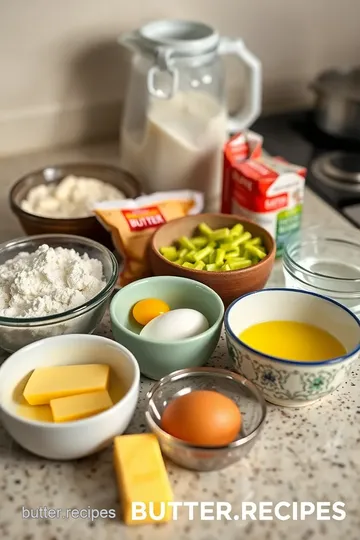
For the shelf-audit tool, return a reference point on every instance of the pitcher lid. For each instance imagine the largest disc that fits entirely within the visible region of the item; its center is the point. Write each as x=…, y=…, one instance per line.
x=184, y=38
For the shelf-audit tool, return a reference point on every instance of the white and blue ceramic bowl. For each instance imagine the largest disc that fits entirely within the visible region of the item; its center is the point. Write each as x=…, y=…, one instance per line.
x=285, y=382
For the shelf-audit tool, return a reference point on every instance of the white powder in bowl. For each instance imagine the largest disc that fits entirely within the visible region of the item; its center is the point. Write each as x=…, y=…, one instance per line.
x=48, y=281
x=73, y=197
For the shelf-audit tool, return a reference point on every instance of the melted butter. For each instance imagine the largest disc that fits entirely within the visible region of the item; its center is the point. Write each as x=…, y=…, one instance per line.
x=290, y=340
x=116, y=388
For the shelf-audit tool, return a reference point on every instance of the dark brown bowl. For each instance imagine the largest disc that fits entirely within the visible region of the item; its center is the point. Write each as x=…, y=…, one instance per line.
x=89, y=227
x=229, y=285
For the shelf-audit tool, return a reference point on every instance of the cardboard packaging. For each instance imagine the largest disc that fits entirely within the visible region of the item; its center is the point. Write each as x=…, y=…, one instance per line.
x=267, y=190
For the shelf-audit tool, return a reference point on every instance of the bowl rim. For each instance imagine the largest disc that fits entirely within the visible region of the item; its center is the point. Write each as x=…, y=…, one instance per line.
x=295, y=242
x=70, y=313
x=73, y=220
x=73, y=424
x=224, y=373
x=175, y=342
x=240, y=219
x=331, y=361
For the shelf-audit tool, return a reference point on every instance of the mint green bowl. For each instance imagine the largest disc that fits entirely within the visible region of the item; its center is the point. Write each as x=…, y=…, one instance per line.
x=159, y=358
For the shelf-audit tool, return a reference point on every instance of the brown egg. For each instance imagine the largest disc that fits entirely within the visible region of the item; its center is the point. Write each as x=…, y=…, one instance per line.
x=202, y=418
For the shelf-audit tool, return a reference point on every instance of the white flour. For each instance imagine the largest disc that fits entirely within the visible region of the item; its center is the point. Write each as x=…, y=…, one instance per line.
x=47, y=282
x=73, y=197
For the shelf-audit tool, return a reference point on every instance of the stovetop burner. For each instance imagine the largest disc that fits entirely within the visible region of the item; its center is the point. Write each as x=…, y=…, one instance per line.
x=339, y=170
x=344, y=167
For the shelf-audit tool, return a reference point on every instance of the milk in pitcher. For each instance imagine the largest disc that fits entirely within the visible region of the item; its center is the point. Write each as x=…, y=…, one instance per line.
x=179, y=147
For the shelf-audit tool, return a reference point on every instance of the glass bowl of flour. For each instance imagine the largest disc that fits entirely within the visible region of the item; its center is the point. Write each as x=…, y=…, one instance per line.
x=52, y=284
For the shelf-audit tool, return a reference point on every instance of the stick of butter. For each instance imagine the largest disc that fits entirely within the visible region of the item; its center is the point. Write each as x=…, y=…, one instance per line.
x=143, y=483
x=39, y=413
x=54, y=382
x=70, y=408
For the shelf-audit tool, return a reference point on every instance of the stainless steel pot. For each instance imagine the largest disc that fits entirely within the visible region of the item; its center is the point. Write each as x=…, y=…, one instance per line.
x=337, y=107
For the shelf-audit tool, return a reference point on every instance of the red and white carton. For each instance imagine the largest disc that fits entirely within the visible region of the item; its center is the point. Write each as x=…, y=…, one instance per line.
x=267, y=190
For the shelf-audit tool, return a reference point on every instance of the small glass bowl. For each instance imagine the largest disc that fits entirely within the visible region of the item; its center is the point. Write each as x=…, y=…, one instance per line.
x=16, y=333
x=327, y=262
x=247, y=397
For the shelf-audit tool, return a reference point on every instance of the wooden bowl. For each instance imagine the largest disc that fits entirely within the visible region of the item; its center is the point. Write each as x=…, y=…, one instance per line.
x=229, y=285
x=89, y=227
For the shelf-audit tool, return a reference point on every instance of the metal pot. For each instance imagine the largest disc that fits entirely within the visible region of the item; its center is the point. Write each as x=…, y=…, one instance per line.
x=337, y=107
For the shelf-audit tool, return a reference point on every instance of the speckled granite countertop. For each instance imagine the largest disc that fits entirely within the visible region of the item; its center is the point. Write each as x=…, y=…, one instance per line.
x=309, y=454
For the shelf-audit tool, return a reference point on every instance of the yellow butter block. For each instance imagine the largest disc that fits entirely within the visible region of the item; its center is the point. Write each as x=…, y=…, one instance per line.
x=143, y=483
x=54, y=382
x=40, y=413
x=67, y=409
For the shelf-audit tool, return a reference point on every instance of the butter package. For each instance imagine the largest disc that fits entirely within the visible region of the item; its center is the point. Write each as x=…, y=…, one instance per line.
x=132, y=222
x=267, y=190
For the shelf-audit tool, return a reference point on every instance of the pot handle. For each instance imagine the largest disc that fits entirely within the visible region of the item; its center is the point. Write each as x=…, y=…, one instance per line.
x=252, y=107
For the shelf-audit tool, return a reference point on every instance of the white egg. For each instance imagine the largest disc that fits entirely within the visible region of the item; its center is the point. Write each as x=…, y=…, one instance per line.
x=175, y=325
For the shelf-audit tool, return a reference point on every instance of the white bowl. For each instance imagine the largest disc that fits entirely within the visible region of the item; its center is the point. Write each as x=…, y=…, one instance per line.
x=69, y=440
x=285, y=382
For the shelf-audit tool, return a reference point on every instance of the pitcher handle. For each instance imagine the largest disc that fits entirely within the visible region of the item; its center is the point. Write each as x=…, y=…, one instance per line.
x=252, y=107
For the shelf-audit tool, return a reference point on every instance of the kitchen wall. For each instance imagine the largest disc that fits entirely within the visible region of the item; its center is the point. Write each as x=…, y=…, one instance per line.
x=62, y=77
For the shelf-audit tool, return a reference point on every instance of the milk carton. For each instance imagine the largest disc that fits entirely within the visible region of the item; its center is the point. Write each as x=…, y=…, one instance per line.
x=267, y=190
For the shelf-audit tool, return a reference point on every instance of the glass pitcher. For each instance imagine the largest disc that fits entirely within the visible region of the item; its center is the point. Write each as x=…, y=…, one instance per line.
x=174, y=122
